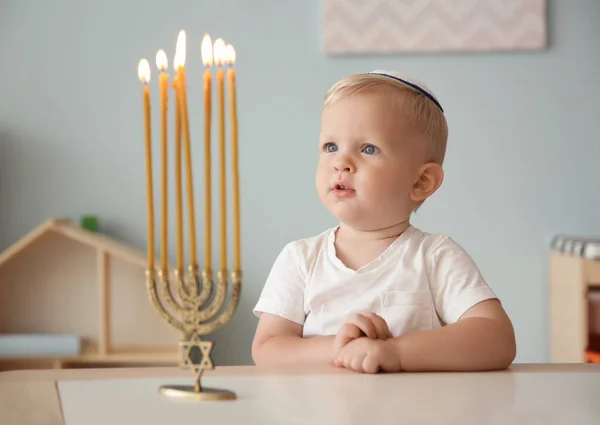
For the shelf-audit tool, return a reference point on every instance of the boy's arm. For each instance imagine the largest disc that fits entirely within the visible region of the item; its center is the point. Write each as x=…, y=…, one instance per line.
x=482, y=339
x=478, y=334
x=279, y=341
x=278, y=338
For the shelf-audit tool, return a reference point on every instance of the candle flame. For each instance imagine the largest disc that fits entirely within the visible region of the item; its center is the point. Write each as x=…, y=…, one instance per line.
x=179, y=60
x=207, y=50
x=144, y=71
x=229, y=54
x=219, y=52
x=161, y=60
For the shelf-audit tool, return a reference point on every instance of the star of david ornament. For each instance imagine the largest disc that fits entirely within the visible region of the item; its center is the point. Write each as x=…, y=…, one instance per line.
x=195, y=356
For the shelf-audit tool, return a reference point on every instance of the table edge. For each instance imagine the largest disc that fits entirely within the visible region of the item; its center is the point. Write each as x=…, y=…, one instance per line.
x=244, y=370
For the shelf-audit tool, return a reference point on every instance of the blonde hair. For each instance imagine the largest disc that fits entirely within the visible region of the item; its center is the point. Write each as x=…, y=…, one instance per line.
x=421, y=111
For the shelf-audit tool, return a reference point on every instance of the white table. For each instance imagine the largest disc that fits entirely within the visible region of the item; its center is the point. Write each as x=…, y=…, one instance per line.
x=523, y=394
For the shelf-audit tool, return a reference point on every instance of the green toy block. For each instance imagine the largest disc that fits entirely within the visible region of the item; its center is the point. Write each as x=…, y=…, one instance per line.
x=90, y=222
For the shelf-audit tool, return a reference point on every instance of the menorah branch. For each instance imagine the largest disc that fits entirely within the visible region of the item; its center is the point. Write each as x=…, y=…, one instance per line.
x=220, y=320
x=207, y=286
x=160, y=309
x=166, y=289
x=184, y=290
x=217, y=301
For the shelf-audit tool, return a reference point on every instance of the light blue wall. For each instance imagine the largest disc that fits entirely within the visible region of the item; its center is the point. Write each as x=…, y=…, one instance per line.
x=523, y=152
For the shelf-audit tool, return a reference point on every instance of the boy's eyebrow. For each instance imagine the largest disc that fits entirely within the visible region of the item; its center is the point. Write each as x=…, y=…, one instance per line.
x=327, y=137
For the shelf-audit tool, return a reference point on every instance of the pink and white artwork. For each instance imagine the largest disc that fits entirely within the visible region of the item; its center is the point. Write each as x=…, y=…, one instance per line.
x=395, y=26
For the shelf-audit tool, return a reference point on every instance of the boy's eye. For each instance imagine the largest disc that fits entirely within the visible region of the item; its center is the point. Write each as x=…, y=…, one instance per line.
x=330, y=147
x=370, y=150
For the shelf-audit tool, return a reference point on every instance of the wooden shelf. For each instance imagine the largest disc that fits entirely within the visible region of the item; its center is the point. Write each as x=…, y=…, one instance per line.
x=572, y=280
x=162, y=356
x=591, y=272
x=123, y=357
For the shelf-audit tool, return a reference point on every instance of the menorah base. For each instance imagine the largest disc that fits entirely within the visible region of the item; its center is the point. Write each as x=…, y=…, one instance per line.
x=189, y=392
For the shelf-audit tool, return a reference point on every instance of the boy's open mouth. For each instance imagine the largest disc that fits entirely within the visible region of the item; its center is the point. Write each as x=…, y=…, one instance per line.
x=341, y=189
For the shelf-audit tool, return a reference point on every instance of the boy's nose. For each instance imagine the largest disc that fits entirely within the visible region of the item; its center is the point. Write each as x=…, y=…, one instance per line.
x=344, y=164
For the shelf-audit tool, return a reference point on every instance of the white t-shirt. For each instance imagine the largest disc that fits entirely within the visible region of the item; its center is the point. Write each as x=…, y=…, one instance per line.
x=421, y=281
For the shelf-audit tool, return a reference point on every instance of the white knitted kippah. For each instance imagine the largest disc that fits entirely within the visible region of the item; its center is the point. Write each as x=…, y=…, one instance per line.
x=409, y=81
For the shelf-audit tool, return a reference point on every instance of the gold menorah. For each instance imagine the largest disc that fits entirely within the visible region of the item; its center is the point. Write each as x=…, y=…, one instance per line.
x=197, y=316
x=185, y=298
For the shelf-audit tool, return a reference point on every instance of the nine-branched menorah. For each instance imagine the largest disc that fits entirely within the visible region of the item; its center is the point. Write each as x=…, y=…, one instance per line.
x=186, y=298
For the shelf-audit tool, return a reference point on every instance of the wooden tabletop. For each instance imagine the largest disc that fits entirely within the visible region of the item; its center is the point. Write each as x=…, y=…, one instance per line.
x=526, y=393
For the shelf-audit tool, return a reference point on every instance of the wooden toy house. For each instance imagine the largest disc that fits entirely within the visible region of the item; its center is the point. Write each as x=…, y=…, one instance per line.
x=62, y=279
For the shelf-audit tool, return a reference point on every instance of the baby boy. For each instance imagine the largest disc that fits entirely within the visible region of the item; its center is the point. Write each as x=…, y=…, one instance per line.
x=376, y=294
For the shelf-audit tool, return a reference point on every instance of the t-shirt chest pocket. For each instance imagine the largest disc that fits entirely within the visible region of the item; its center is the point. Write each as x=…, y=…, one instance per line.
x=407, y=311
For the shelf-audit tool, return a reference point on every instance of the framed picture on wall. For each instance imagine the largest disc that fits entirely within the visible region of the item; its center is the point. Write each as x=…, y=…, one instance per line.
x=400, y=26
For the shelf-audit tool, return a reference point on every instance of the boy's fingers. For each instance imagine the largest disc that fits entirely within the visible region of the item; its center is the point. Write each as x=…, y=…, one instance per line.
x=370, y=365
x=356, y=363
x=364, y=324
x=348, y=332
x=381, y=327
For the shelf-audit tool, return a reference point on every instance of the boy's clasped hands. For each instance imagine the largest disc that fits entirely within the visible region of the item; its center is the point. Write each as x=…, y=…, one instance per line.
x=365, y=344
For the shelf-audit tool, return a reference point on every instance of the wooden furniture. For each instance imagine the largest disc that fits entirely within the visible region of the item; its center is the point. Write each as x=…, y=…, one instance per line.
x=525, y=393
x=82, y=283
x=572, y=278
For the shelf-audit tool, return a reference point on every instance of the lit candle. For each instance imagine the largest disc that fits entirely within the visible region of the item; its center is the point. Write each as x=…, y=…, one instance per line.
x=178, y=201
x=207, y=59
x=219, y=56
x=144, y=76
x=230, y=59
x=180, y=54
x=161, y=64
